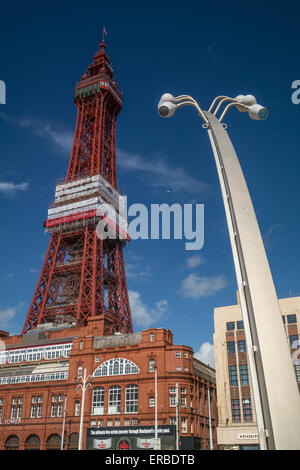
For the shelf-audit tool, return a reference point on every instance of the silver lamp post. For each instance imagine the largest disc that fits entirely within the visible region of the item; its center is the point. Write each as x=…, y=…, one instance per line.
x=155, y=420
x=275, y=390
x=84, y=383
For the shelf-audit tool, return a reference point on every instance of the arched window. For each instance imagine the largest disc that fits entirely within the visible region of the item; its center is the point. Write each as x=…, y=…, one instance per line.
x=131, y=399
x=73, y=441
x=79, y=372
x=116, y=366
x=152, y=364
x=12, y=443
x=114, y=403
x=98, y=401
x=53, y=442
x=32, y=442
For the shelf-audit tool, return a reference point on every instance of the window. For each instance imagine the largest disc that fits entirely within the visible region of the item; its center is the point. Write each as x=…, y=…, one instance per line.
x=183, y=391
x=54, y=398
x=152, y=337
x=13, y=413
x=135, y=422
x=100, y=423
x=293, y=338
x=81, y=346
x=297, y=371
x=172, y=390
x=59, y=410
x=230, y=325
x=178, y=368
x=241, y=345
x=131, y=399
x=109, y=422
x=186, y=355
x=60, y=398
x=117, y=422
x=184, y=425
x=178, y=354
x=192, y=425
x=292, y=318
x=116, y=366
x=230, y=347
x=183, y=401
x=240, y=325
x=34, y=399
x=247, y=410
x=151, y=402
x=40, y=399
x=33, y=411
x=151, y=364
x=98, y=401
x=283, y=319
x=233, y=378
x=79, y=372
x=235, y=410
x=39, y=411
x=172, y=400
x=173, y=421
x=114, y=404
x=53, y=410
x=126, y=422
x=244, y=376
x=77, y=408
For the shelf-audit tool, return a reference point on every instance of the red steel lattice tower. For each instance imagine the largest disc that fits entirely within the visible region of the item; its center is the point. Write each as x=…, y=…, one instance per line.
x=83, y=276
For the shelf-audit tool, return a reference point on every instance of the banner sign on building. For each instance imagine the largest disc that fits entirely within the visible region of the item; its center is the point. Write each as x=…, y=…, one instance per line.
x=138, y=431
x=102, y=444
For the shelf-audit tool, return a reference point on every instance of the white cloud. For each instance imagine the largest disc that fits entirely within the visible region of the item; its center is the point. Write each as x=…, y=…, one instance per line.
x=159, y=173
x=142, y=315
x=273, y=235
x=195, y=286
x=7, y=316
x=60, y=138
x=206, y=354
x=10, y=189
x=194, y=261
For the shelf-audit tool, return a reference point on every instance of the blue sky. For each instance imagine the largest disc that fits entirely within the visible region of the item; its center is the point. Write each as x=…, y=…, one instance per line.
x=199, y=48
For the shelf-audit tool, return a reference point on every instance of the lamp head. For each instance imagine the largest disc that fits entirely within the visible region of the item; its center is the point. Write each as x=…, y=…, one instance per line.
x=246, y=100
x=166, y=109
x=167, y=97
x=258, y=112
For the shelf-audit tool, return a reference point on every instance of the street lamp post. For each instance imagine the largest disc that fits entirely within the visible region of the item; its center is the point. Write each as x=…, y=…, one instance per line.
x=155, y=403
x=275, y=391
x=86, y=382
x=211, y=445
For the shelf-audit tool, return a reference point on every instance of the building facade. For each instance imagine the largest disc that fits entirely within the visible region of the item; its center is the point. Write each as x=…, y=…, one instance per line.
x=39, y=375
x=236, y=414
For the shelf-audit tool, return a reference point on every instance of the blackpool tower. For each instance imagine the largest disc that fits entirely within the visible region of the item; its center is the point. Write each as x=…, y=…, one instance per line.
x=83, y=275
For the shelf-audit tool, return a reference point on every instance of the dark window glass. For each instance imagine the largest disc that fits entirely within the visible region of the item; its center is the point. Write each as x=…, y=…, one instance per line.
x=247, y=409
x=230, y=325
x=283, y=319
x=233, y=378
x=244, y=377
x=230, y=347
x=240, y=325
x=235, y=410
x=291, y=319
x=241, y=346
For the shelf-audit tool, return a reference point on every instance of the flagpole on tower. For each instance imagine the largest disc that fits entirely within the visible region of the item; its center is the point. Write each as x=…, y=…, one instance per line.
x=104, y=33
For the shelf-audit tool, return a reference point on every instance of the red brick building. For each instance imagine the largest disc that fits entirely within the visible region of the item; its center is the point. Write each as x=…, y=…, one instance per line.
x=39, y=373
